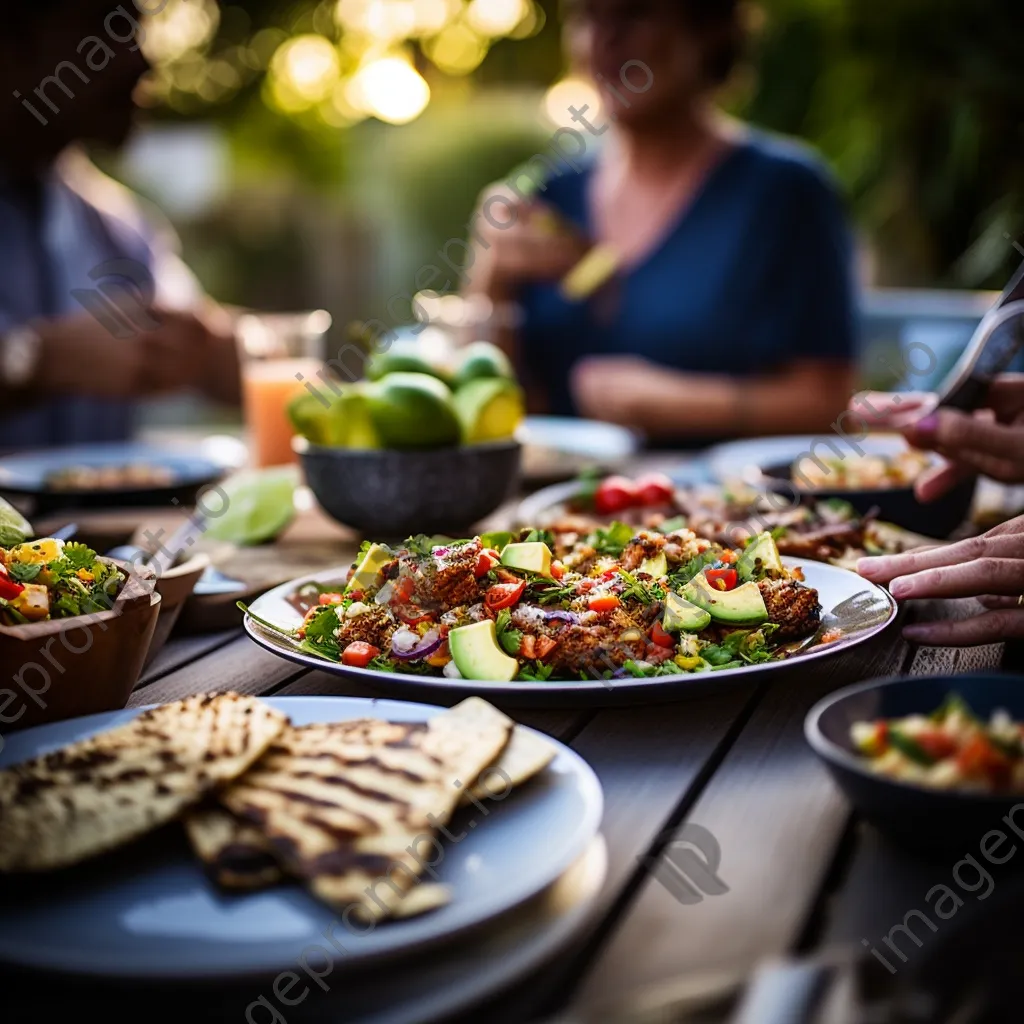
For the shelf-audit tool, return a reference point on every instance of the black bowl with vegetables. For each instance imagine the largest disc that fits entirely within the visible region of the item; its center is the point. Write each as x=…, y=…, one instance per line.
x=924, y=759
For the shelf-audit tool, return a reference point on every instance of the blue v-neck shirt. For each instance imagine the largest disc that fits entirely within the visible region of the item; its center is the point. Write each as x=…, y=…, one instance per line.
x=755, y=273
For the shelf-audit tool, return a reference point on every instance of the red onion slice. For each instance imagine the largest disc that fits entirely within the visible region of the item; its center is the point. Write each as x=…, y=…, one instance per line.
x=409, y=646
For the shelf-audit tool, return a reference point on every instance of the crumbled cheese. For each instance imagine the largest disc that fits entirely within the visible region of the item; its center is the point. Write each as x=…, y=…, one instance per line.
x=357, y=608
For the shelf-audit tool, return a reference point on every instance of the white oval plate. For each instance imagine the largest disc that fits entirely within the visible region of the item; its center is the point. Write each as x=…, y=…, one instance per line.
x=149, y=911
x=859, y=608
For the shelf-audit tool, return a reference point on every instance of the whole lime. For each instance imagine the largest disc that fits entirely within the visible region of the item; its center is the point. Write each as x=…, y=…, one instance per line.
x=481, y=361
x=413, y=410
x=403, y=356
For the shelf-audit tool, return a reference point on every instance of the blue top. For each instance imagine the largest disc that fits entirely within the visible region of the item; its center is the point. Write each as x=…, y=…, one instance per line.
x=756, y=272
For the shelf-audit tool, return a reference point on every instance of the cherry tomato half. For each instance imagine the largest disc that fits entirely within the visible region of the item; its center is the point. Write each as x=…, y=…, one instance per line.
x=331, y=599
x=486, y=561
x=723, y=579
x=614, y=494
x=359, y=654
x=504, y=595
x=661, y=637
x=654, y=489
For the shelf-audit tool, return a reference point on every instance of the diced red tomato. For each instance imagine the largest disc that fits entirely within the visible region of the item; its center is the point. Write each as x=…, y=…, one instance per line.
x=9, y=589
x=614, y=494
x=654, y=489
x=557, y=570
x=660, y=636
x=486, y=561
x=356, y=595
x=604, y=603
x=504, y=595
x=978, y=758
x=545, y=645
x=723, y=579
x=936, y=744
x=728, y=557
x=528, y=647
x=331, y=599
x=359, y=654
x=404, y=589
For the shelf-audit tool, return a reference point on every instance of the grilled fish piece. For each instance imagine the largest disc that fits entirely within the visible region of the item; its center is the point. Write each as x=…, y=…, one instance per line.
x=99, y=793
x=352, y=808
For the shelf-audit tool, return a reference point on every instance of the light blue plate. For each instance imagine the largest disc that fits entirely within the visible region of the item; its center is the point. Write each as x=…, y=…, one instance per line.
x=149, y=911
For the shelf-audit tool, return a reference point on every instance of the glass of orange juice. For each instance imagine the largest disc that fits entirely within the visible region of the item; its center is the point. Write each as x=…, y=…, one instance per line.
x=280, y=351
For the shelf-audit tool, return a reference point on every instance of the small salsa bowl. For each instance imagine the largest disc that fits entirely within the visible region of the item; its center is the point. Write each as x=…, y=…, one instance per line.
x=932, y=821
x=63, y=668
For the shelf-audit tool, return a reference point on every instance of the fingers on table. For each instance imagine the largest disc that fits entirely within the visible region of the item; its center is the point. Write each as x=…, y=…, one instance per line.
x=987, y=575
x=991, y=545
x=989, y=628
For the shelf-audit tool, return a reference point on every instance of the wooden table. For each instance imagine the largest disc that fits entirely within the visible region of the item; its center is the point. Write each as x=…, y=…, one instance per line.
x=801, y=872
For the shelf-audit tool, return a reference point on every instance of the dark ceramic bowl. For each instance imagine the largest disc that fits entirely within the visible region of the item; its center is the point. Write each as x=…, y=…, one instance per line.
x=897, y=505
x=929, y=820
x=393, y=494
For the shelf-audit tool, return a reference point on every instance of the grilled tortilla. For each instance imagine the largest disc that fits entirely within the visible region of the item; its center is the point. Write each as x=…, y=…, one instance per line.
x=352, y=808
x=238, y=856
x=99, y=793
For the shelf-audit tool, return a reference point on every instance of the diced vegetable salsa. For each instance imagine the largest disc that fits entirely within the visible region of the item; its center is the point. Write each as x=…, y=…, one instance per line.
x=952, y=748
x=48, y=579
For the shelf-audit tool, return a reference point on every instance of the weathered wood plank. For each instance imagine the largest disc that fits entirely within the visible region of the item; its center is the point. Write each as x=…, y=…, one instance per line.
x=240, y=666
x=183, y=651
x=776, y=817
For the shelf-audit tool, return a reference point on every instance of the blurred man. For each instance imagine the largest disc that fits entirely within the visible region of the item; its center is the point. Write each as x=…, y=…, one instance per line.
x=96, y=310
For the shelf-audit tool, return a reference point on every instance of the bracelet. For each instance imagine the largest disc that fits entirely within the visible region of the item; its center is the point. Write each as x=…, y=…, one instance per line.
x=20, y=349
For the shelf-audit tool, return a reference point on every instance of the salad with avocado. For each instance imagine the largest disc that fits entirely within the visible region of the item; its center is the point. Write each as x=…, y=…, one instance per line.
x=615, y=603
x=48, y=579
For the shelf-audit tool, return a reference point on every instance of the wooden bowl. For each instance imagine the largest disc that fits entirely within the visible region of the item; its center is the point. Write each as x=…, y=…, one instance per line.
x=174, y=587
x=64, y=668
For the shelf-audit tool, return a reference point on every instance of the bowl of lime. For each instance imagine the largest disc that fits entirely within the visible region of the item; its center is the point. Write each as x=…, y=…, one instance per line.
x=416, y=447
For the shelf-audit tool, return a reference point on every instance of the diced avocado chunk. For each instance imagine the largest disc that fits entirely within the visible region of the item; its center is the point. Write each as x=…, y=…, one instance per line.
x=743, y=606
x=533, y=556
x=656, y=566
x=368, y=569
x=681, y=616
x=478, y=655
x=760, y=556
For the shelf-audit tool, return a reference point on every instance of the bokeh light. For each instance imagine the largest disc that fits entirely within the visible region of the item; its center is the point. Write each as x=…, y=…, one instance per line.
x=304, y=71
x=179, y=29
x=457, y=50
x=496, y=17
x=390, y=89
x=572, y=92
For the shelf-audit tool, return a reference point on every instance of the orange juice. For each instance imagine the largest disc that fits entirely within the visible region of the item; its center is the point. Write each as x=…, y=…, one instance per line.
x=269, y=385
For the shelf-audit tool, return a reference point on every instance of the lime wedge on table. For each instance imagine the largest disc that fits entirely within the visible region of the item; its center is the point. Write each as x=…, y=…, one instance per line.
x=260, y=505
x=14, y=527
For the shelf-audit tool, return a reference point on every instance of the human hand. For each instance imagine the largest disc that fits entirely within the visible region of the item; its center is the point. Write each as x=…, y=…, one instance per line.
x=189, y=349
x=522, y=241
x=616, y=389
x=990, y=441
x=989, y=567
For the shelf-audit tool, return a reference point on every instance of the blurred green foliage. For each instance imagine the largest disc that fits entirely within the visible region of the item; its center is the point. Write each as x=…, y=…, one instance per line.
x=917, y=104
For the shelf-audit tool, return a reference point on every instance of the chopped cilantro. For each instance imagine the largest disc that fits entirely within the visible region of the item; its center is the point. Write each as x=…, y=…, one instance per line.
x=538, y=672
x=509, y=637
x=24, y=572
x=645, y=593
x=695, y=565
x=611, y=540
